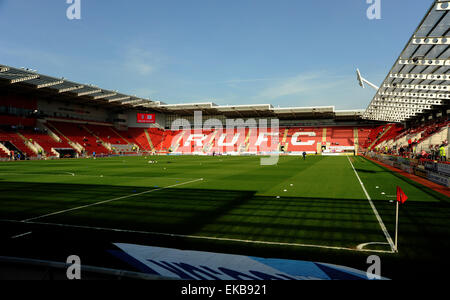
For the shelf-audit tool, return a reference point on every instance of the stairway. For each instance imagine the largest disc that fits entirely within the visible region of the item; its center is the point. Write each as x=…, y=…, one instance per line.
x=106, y=145
x=30, y=145
x=208, y=145
x=356, y=140
x=149, y=140
x=246, y=143
x=75, y=145
x=283, y=141
x=177, y=145
x=379, y=138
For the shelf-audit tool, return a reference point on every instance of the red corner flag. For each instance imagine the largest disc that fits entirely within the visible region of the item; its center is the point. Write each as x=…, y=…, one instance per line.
x=401, y=197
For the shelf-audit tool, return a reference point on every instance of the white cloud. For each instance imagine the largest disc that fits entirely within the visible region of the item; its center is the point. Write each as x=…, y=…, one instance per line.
x=301, y=84
x=141, y=61
x=250, y=80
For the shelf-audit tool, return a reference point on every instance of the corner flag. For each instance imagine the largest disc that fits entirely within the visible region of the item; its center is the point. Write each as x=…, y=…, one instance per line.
x=401, y=197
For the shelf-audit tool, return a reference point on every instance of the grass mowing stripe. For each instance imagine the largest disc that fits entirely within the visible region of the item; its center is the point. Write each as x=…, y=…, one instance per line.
x=110, y=200
x=383, y=227
x=199, y=237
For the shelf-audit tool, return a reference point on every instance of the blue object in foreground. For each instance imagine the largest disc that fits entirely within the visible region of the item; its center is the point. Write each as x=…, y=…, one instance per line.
x=184, y=264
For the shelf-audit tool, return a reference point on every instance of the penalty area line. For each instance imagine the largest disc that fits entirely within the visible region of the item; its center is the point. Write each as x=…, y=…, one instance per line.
x=377, y=215
x=21, y=235
x=109, y=200
x=173, y=235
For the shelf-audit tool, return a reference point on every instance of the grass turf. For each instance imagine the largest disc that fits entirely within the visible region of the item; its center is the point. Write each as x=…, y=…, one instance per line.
x=320, y=203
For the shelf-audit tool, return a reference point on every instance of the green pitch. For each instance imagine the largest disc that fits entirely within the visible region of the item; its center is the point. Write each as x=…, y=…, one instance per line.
x=315, y=208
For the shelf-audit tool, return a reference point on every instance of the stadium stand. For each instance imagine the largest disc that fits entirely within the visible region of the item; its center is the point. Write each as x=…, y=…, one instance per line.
x=87, y=119
x=3, y=153
x=138, y=136
x=77, y=133
x=415, y=141
x=342, y=136
x=106, y=134
x=45, y=141
x=156, y=136
x=304, y=139
x=17, y=142
x=169, y=143
x=103, y=138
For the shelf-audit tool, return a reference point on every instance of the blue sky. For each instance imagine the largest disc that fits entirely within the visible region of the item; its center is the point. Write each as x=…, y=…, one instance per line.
x=282, y=52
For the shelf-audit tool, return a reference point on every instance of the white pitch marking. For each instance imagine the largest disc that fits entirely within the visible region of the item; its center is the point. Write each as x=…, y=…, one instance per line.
x=380, y=221
x=21, y=235
x=83, y=175
x=201, y=237
x=110, y=200
x=361, y=246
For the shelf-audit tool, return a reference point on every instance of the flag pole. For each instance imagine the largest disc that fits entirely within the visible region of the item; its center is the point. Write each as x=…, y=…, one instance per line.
x=396, y=229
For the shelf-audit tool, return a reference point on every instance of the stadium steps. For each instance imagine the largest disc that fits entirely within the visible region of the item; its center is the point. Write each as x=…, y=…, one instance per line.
x=137, y=136
x=4, y=150
x=119, y=135
x=247, y=139
x=104, y=144
x=53, y=135
x=283, y=141
x=324, y=141
x=73, y=144
x=177, y=144
x=356, y=140
x=149, y=140
x=42, y=142
x=380, y=137
x=209, y=144
x=30, y=145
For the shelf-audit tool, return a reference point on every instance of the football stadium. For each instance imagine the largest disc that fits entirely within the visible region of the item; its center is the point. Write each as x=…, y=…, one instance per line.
x=127, y=187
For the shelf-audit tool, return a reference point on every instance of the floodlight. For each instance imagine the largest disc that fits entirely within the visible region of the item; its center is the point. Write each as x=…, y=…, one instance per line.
x=360, y=79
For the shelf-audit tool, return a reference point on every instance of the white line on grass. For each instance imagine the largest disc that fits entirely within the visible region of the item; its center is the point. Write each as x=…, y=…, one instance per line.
x=85, y=175
x=380, y=221
x=361, y=246
x=200, y=237
x=110, y=200
x=21, y=235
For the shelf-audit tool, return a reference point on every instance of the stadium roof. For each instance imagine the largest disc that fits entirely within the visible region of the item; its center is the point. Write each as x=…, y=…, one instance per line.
x=64, y=90
x=419, y=81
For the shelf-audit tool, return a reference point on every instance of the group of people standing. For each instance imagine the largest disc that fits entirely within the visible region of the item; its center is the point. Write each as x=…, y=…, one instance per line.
x=17, y=156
